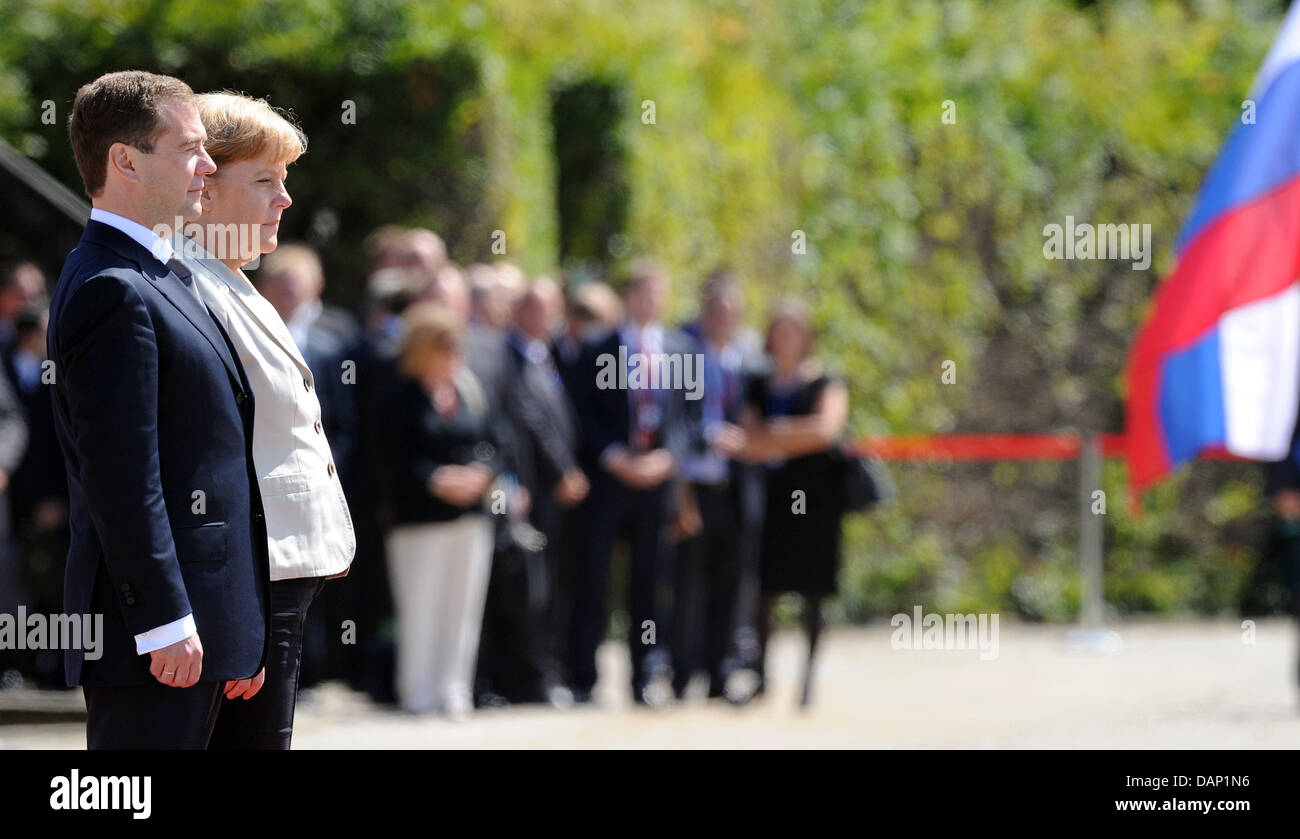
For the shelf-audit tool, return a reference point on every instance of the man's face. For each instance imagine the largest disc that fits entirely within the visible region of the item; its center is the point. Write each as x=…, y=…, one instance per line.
x=722, y=316
x=27, y=285
x=171, y=177
x=288, y=288
x=530, y=316
x=645, y=303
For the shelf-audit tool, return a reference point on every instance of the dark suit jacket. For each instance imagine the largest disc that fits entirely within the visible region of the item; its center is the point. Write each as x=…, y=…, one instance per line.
x=39, y=475
x=488, y=358
x=151, y=406
x=544, y=421
x=15, y=430
x=605, y=415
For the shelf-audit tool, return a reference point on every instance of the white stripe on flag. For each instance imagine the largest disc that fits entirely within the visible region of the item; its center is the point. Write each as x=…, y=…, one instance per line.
x=1259, y=354
x=1285, y=51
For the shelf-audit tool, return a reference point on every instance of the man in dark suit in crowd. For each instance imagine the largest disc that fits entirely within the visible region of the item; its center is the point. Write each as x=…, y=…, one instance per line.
x=21, y=285
x=14, y=588
x=591, y=311
x=38, y=490
x=711, y=527
x=155, y=418
x=523, y=652
x=635, y=437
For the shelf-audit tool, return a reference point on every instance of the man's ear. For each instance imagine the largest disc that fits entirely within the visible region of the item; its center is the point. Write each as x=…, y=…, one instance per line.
x=121, y=160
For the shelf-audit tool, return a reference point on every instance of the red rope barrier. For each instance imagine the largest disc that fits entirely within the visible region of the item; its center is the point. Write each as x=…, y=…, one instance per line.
x=987, y=447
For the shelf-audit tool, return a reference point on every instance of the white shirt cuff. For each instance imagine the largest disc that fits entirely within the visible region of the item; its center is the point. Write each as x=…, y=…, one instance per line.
x=165, y=635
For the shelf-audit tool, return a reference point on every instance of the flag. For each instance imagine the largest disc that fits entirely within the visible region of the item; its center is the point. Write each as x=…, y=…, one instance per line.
x=1215, y=365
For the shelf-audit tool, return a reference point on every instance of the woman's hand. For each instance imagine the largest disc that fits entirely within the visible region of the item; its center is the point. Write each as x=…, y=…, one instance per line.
x=729, y=439
x=246, y=688
x=461, y=485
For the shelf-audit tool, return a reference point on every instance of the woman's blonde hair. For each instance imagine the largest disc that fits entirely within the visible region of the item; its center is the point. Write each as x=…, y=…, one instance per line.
x=429, y=326
x=243, y=128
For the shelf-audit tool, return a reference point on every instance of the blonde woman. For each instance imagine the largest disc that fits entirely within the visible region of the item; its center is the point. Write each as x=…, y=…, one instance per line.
x=308, y=525
x=444, y=455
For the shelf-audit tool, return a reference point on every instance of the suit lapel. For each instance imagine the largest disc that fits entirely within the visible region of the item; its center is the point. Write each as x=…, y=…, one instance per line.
x=169, y=285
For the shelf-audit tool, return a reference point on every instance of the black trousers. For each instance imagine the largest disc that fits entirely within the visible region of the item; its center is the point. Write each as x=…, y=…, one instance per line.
x=266, y=720
x=151, y=716
x=514, y=656
x=613, y=508
x=561, y=526
x=706, y=579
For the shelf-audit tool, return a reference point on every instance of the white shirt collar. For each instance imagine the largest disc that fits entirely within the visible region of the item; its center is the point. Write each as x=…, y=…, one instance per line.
x=159, y=247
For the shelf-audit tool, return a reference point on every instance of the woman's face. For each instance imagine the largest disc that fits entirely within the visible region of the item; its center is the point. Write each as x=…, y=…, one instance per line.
x=438, y=365
x=788, y=341
x=251, y=195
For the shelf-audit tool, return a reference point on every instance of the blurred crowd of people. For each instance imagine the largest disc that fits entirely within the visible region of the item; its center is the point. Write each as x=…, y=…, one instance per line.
x=493, y=478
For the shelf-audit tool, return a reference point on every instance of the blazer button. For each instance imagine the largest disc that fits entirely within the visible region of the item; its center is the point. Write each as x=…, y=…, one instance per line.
x=126, y=587
x=330, y=470
x=240, y=399
x=130, y=599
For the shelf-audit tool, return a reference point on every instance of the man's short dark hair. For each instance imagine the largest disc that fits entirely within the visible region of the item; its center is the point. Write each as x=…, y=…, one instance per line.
x=118, y=107
x=722, y=281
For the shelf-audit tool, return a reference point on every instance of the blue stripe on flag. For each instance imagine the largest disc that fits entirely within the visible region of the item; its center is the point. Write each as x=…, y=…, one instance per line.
x=1191, y=399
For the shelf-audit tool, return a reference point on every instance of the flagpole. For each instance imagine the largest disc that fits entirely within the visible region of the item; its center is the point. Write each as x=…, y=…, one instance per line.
x=1091, y=635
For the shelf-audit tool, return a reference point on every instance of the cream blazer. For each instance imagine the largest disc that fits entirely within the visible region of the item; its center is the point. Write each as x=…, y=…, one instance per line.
x=308, y=524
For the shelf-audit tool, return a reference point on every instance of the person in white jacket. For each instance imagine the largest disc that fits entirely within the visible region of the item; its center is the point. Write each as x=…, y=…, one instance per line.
x=308, y=524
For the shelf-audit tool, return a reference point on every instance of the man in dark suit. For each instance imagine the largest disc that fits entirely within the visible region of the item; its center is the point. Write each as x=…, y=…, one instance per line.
x=635, y=436
x=155, y=418
x=518, y=657
x=712, y=527
x=38, y=489
x=15, y=590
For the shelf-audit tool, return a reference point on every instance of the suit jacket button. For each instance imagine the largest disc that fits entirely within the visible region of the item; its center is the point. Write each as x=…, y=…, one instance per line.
x=126, y=587
x=330, y=470
x=240, y=399
x=130, y=599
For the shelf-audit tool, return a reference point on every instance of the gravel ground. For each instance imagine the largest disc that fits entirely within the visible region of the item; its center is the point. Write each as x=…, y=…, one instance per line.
x=1170, y=685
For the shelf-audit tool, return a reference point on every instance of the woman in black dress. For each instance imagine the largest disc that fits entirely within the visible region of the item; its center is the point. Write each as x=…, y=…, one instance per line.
x=793, y=418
